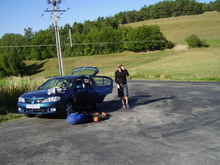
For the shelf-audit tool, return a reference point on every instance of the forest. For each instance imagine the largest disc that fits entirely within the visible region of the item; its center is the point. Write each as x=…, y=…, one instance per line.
x=101, y=36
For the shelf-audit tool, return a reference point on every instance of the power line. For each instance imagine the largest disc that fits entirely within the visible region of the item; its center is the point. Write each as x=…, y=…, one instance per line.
x=94, y=43
x=20, y=46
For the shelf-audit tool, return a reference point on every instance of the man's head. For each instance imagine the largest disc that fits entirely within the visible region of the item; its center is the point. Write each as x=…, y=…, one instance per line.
x=120, y=67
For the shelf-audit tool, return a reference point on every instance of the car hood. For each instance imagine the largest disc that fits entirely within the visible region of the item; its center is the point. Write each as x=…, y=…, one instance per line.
x=42, y=93
x=86, y=70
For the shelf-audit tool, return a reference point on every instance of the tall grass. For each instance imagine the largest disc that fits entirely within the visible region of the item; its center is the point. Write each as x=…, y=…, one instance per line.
x=10, y=91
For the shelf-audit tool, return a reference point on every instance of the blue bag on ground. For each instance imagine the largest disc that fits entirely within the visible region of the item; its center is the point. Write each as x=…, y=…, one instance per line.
x=77, y=118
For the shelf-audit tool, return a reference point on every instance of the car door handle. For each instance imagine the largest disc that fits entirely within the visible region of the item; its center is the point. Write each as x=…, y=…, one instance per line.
x=107, y=88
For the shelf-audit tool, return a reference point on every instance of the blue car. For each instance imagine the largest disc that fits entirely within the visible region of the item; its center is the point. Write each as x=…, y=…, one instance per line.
x=65, y=94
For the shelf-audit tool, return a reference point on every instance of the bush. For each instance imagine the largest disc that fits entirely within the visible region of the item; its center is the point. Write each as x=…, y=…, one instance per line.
x=194, y=41
x=9, y=97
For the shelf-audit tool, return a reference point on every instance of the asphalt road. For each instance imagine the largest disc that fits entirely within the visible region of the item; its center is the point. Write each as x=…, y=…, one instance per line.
x=175, y=123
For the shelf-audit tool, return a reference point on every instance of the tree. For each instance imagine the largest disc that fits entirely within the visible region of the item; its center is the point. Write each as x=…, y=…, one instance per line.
x=28, y=34
x=11, y=64
x=194, y=41
x=121, y=17
x=217, y=5
x=45, y=41
x=15, y=41
x=145, y=38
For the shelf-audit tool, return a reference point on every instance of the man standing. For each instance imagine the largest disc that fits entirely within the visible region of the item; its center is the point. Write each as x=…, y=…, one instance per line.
x=121, y=82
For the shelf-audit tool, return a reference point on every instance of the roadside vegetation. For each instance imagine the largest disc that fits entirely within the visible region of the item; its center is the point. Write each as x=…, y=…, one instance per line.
x=194, y=41
x=10, y=89
x=181, y=63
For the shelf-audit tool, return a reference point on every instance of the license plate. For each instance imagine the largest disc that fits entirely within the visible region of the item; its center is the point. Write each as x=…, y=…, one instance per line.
x=33, y=106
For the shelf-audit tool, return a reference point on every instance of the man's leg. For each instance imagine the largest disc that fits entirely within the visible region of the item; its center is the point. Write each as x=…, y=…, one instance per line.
x=125, y=90
x=123, y=102
x=126, y=100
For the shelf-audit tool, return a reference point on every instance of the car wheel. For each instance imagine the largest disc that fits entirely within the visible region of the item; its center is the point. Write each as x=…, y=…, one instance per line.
x=68, y=109
x=95, y=106
x=29, y=115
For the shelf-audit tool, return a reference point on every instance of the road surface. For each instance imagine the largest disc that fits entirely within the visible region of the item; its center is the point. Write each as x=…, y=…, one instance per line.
x=168, y=123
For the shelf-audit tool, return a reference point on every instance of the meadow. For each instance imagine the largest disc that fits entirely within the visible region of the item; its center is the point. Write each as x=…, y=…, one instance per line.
x=179, y=63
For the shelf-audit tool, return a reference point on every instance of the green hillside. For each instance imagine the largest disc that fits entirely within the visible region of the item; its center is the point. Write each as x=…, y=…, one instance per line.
x=179, y=63
x=206, y=26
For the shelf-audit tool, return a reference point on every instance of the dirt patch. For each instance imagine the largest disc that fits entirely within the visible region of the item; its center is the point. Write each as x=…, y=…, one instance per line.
x=180, y=47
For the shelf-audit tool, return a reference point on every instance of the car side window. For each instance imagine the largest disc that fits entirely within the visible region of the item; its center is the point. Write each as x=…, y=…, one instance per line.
x=101, y=81
x=87, y=81
x=78, y=82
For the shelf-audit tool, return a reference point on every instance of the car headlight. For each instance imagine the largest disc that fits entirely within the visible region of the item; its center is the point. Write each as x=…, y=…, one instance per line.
x=51, y=99
x=21, y=99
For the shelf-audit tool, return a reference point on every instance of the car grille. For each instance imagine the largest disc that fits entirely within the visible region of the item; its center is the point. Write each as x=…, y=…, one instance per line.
x=36, y=110
x=35, y=101
x=38, y=100
x=27, y=100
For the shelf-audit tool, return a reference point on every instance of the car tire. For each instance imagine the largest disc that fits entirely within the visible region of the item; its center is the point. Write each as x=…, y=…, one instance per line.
x=68, y=109
x=29, y=115
x=95, y=106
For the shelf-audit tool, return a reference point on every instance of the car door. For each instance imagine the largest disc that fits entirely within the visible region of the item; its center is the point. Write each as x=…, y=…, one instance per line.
x=80, y=92
x=99, y=87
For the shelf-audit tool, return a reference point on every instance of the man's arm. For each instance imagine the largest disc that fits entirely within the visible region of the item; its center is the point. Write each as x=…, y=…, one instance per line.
x=116, y=77
x=125, y=70
x=116, y=80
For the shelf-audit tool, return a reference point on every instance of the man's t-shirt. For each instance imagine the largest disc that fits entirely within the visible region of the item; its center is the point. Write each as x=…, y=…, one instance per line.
x=120, y=77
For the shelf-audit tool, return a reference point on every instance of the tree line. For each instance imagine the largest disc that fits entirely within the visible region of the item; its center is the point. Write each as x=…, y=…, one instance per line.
x=102, y=36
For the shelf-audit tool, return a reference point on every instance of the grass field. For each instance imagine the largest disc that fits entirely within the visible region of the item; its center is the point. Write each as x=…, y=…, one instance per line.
x=206, y=26
x=179, y=63
x=175, y=64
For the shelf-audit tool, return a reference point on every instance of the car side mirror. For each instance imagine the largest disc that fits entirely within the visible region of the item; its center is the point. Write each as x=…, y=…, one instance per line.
x=79, y=87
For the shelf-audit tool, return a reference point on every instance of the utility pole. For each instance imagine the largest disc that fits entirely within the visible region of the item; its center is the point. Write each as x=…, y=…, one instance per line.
x=57, y=33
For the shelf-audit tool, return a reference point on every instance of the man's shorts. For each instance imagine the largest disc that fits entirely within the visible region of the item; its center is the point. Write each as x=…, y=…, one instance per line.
x=123, y=90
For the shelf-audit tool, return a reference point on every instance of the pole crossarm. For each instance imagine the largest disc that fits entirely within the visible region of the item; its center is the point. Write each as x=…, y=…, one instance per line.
x=55, y=10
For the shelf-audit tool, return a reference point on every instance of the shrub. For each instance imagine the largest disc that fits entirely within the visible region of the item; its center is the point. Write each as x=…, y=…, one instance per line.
x=194, y=41
x=15, y=87
x=9, y=97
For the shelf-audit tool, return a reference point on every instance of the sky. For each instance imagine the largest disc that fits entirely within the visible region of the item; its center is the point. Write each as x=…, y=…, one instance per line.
x=19, y=15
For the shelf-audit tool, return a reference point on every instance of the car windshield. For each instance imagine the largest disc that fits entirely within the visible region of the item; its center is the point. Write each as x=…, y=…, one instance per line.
x=66, y=83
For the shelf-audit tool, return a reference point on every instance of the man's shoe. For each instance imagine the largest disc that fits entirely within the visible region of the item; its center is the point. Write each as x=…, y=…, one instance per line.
x=127, y=105
x=124, y=106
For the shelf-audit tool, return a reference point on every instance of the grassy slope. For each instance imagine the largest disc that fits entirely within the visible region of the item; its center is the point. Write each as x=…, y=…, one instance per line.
x=206, y=26
x=176, y=64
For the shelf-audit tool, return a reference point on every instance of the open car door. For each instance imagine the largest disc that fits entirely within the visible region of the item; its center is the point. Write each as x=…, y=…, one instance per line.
x=100, y=86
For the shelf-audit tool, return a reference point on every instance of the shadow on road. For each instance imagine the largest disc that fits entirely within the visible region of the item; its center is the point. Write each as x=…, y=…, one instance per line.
x=115, y=105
